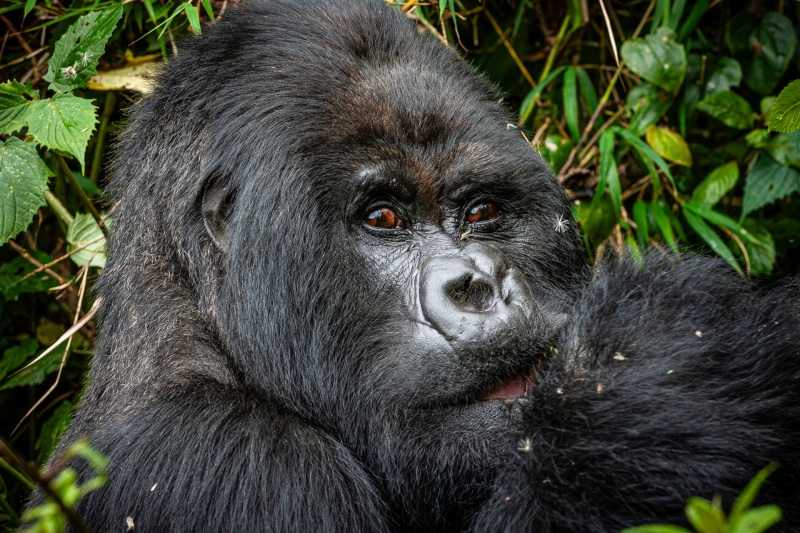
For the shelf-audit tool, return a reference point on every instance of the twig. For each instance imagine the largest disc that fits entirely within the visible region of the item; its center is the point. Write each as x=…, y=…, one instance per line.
x=82, y=195
x=29, y=258
x=511, y=51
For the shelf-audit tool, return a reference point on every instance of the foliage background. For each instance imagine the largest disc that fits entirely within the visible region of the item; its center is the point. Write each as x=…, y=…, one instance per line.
x=653, y=114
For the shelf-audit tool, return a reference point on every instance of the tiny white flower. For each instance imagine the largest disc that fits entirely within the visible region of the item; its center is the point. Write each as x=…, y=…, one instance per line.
x=69, y=73
x=85, y=58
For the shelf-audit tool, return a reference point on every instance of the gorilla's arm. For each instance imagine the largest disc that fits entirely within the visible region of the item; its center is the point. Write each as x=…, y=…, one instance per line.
x=211, y=459
x=673, y=380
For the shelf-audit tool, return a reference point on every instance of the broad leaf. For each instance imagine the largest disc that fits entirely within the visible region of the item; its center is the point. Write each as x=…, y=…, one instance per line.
x=657, y=58
x=726, y=74
x=761, y=253
x=729, y=108
x=772, y=45
x=669, y=145
x=768, y=182
x=784, y=115
x=757, y=520
x=717, y=184
x=646, y=103
x=77, y=52
x=64, y=123
x=748, y=495
x=84, y=232
x=15, y=103
x=23, y=180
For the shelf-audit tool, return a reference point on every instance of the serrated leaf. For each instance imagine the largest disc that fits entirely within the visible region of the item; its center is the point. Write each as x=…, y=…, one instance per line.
x=768, y=182
x=729, y=108
x=717, y=184
x=784, y=115
x=11, y=272
x=785, y=148
x=15, y=103
x=77, y=52
x=657, y=58
x=772, y=46
x=84, y=232
x=15, y=356
x=726, y=74
x=646, y=103
x=669, y=145
x=23, y=180
x=65, y=123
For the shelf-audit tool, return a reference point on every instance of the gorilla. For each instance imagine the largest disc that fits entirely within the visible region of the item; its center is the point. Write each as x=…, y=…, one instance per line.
x=340, y=294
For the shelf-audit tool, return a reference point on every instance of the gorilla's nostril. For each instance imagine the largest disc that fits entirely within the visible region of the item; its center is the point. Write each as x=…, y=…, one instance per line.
x=470, y=293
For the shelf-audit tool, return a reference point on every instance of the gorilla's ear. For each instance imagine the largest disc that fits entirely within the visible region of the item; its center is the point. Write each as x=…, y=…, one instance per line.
x=216, y=202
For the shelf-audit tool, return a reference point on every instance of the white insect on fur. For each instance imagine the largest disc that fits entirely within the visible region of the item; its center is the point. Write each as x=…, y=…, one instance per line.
x=561, y=224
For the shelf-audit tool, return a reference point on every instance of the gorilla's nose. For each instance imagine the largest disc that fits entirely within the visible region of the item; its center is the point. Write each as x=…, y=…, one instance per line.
x=474, y=293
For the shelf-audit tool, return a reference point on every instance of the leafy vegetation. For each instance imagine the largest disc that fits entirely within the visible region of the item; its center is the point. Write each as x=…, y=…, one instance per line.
x=671, y=123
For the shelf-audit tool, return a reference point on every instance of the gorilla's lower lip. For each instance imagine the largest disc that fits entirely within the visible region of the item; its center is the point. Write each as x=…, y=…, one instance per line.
x=514, y=388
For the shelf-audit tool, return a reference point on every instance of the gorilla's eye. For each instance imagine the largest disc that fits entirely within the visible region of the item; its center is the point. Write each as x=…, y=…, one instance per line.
x=482, y=212
x=383, y=218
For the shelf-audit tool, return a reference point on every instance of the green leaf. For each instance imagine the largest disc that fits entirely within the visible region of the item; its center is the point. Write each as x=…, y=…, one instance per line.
x=23, y=180
x=77, y=52
x=529, y=102
x=587, y=89
x=598, y=218
x=35, y=374
x=82, y=231
x=768, y=182
x=657, y=58
x=555, y=150
x=761, y=253
x=772, y=45
x=717, y=184
x=748, y=495
x=656, y=528
x=647, y=103
x=698, y=10
x=729, y=108
x=15, y=103
x=704, y=515
x=757, y=520
x=738, y=32
x=726, y=74
x=642, y=220
x=570, y=94
x=11, y=272
x=647, y=153
x=663, y=223
x=669, y=145
x=712, y=239
x=785, y=149
x=16, y=356
x=52, y=430
x=757, y=138
x=193, y=16
x=29, y=5
x=608, y=172
x=784, y=115
x=64, y=123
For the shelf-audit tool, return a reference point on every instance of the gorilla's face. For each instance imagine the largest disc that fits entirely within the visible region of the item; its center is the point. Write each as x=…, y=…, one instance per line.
x=393, y=265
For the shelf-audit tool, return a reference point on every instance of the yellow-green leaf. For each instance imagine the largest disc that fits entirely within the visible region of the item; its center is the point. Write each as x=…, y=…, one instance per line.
x=669, y=145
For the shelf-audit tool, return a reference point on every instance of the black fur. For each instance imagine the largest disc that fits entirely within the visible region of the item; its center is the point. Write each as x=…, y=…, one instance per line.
x=674, y=379
x=269, y=362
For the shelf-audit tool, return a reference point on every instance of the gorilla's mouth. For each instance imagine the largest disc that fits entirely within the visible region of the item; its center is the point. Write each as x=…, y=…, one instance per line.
x=512, y=389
